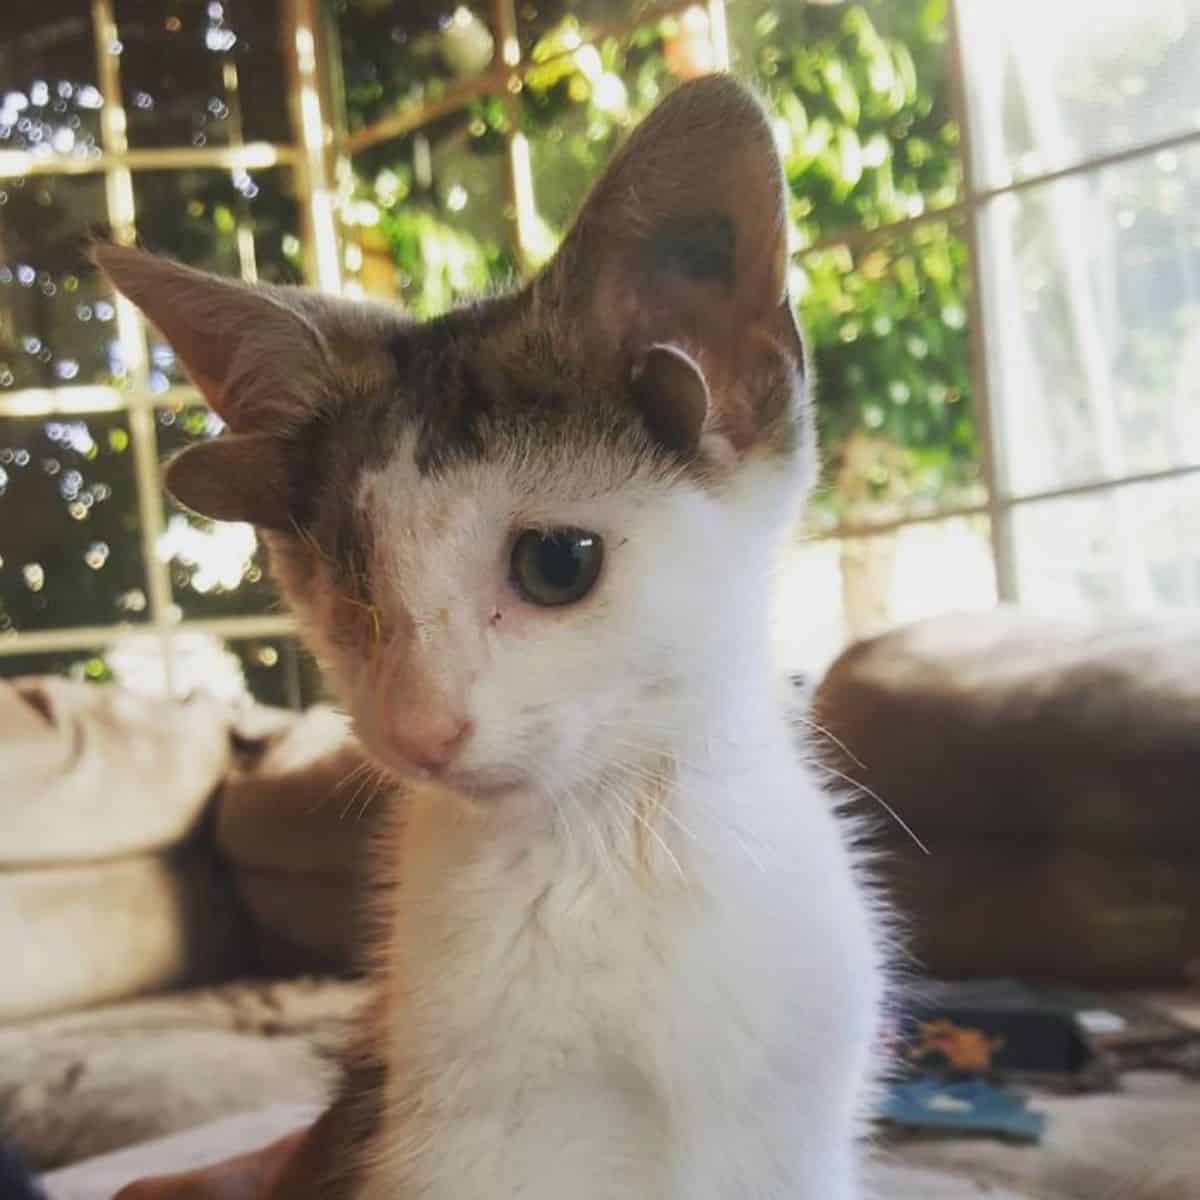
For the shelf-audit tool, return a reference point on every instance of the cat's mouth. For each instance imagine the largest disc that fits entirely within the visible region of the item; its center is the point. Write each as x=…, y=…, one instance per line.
x=485, y=783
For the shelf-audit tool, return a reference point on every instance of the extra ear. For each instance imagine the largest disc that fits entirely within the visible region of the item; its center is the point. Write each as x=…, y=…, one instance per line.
x=239, y=477
x=683, y=243
x=671, y=391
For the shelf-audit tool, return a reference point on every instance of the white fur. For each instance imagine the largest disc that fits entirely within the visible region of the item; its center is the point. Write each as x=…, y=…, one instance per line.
x=581, y=1005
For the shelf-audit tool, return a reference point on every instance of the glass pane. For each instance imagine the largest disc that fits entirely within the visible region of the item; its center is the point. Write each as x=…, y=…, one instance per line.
x=86, y=666
x=1054, y=84
x=1128, y=548
x=278, y=672
x=399, y=56
x=831, y=593
x=887, y=332
x=57, y=319
x=861, y=98
x=240, y=224
x=217, y=567
x=551, y=27
x=69, y=537
x=1091, y=289
x=577, y=108
x=433, y=223
x=49, y=101
x=198, y=73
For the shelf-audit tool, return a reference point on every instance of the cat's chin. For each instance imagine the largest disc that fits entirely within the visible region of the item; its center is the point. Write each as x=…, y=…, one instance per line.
x=485, y=785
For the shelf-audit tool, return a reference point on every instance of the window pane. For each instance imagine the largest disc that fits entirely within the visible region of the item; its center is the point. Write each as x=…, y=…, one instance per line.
x=217, y=567
x=239, y=224
x=830, y=593
x=399, y=56
x=862, y=106
x=1092, y=297
x=1128, y=548
x=57, y=319
x=69, y=536
x=195, y=73
x=433, y=223
x=1052, y=84
x=49, y=101
x=576, y=109
x=278, y=672
x=551, y=27
x=887, y=332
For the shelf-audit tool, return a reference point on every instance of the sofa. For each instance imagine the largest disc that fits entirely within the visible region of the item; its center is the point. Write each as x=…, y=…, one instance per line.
x=180, y=884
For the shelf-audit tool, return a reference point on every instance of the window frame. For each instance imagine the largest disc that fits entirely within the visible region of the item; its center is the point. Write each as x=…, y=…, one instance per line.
x=320, y=153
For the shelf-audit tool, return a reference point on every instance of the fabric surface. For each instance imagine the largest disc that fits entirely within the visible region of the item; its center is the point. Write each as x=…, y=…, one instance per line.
x=85, y=1083
x=95, y=772
x=98, y=1179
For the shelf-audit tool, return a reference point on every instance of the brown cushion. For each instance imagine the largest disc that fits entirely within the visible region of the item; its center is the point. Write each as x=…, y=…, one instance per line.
x=294, y=820
x=1002, y=723
x=83, y=934
x=997, y=908
x=94, y=772
x=298, y=797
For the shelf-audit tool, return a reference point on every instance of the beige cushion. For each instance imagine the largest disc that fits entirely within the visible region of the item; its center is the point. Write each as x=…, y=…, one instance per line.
x=83, y=934
x=93, y=772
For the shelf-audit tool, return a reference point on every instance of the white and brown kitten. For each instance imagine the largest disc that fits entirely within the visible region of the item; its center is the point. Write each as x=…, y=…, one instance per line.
x=628, y=954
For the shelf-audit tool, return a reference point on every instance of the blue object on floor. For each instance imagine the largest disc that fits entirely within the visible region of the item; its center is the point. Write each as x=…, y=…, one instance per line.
x=961, y=1106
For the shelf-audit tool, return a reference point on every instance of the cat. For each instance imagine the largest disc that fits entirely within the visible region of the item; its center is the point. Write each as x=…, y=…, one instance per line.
x=628, y=951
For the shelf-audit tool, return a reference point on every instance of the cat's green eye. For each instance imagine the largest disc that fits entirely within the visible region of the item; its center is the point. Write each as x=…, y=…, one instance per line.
x=556, y=566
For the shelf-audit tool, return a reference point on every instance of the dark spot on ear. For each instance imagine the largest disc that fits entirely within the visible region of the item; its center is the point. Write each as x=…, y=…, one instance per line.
x=401, y=350
x=699, y=246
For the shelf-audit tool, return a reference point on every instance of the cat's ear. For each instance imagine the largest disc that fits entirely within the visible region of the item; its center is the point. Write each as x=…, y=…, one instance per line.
x=683, y=243
x=261, y=363
x=267, y=360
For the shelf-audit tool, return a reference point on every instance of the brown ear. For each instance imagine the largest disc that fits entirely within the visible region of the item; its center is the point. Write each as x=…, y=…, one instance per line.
x=260, y=362
x=683, y=241
x=238, y=477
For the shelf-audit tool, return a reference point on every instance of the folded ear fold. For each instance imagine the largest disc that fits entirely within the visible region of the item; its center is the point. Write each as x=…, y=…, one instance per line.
x=683, y=242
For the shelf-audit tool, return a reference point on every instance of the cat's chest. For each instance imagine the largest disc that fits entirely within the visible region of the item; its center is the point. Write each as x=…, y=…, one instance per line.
x=670, y=968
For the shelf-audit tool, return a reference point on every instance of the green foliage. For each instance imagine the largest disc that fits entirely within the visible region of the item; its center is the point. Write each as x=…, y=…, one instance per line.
x=858, y=92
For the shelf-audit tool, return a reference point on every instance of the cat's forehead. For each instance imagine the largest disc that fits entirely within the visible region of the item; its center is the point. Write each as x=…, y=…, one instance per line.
x=487, y=384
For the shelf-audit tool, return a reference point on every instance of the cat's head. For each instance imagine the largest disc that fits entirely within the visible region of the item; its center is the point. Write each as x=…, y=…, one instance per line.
x=524, y=536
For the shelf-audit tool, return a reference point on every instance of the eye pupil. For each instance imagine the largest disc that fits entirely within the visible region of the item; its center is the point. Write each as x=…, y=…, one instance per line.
x=556, y=567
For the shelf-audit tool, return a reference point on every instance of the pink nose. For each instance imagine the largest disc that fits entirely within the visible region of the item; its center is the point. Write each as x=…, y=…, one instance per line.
x=430, y=739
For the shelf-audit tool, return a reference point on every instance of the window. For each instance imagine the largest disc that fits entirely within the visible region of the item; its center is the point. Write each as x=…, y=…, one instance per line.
x=996, y=257
x=167, y=121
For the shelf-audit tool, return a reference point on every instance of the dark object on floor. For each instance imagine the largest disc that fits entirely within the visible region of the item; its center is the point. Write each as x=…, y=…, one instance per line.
x=1000, y=1027
x=16, y=1183
x=929, y=1104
